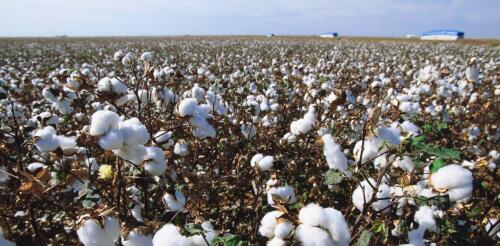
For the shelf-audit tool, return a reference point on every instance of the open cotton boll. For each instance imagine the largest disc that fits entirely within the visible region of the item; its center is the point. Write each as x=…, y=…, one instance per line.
x=312, y=236
x=495, y=231
x=283, y=229
x=305, y=124
x=285, y=193
x=335, y=158
x=404, y=163
x=425, y=218
x=175, y=202
x=266, y=163
x=133, y=132
x=201, y=126
x=248, y=130
x=337, y=226
x=147, y=56
x=409, y=127
x=169, y=235
x=210, y=233
x=389, y=134
x=382, y=195
x=137, y=239
x=132, y=153
x=198, y=92
x=91, y=233
x=276, y=242
x=187, y=107
x=255, y=159
x=181, y=148
x=268, y=223
x=3, y=176
x=370, y=150
x=136, y=212
x=164, y=139
x=46, y=140
x=154, y=161
x=32, y=167
x=102, y=121
x=312, y=214
x=456, y=180
x=112, y=140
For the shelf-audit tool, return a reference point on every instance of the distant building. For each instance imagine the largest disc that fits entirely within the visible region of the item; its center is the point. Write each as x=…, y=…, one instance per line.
x=442, y=35
x=411, y=36
x=329, y=35
x=270, y=35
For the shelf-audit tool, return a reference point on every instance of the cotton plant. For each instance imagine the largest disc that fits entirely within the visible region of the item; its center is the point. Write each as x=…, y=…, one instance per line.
x=453, y=180
x=93, y=232
x=333, y=153
x=304, y=125
x=263, y=163
x=174, y=201
x=364, y=192
x=276, y=227
x=198, y=116
x=169, y=235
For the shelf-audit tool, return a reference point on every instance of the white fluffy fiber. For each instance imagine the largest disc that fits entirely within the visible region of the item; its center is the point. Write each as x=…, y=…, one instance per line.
x=175, y=202
x=404, y=163
x=305, y=124
x=132, y=153
x=112, y=85
x=154, y=161
x=187, y=107
x=47, y=140
x=268, y=223
x=112, y=140
x=102, y=121
x=276, y=242
x=181, y=148
x=3, y=241
x=370, y=149
x=264, y=163
x=164, y=139
x=335, y=158
x=314, y=217
x=138, y=239
x=169, y=235
x=382, y=195
x=133, y=132
x=91, y=233
x=285, y=193
x=456, y=179
x=425, y=218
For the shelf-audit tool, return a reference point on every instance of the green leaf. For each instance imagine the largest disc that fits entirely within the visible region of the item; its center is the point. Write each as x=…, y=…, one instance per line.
x=421, y=201
x=88, y=203
x=437, y=164
x=230, y=240
x=296, y=205
x=332, y=177
x=441, y=152
x=378, y=226
x=194, y=229
x=364, y=238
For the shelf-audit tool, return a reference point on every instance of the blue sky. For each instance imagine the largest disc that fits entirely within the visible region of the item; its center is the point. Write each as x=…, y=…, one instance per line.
x=477, y=18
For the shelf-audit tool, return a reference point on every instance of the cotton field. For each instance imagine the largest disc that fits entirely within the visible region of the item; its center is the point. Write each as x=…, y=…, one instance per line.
x=248, y=141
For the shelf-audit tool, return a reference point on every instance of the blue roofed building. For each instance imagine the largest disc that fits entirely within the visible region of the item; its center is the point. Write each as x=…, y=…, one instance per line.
x=442, y=34
x=329, y=35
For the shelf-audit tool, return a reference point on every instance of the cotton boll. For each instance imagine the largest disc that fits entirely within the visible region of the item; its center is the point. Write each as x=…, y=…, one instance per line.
x=492, y=231
x=425, y=218
x=255, y=159
x=174, y=202
x=404, y=163
x=102, y=121
x=382, y=195
x=3, y=177
x=201, y=125
x=210, y=233
x=3, y=241
x=136, y=212
x=132, y=153
x=181, y=148
x=164, y=139
x=169, y=235
x=268, y=223
x=456, y=180
x=133, y=132
x=248, y=130
x=137, y=239
x=266, y=163
x=92, y=234
x=312, y=215
x=187, y=107
x=390, y=135
x=32, y=167
x=410, y=128
x=283, y=229
x=337, y=226
x=335, y=158
x=285, y=193
x=147, y=56
x=112, y=140
x=312, y=236
x=370, y=150
x=276, y=242
x=154, y=161
x=46, y=140
x=198, y=92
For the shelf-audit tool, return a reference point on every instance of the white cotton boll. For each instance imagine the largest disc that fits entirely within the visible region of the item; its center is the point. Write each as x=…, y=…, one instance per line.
x=335, y=158
x=133, y=132
x=285, y=193
x=289, y=137
x=102, y=121
x=492, y=231
x=3, y=176
x=283, y=229
x=312, y=236
x=46, y=139
x=155, y=163
x=390, y=134
x=337, y=226
x=175, y=202
x=112, y=140
x=32, y=167
x=425, y=218
x=268, y=223
x=276, y=242
x=181, y=148
x=404, y=163
x=92, y=234
x=136, y=212
x=255, y=159
x=312, y=215
x=248, y=130
x=137, y=239
x=456, y=180
x=187, y=107
x=382, y=195
x=118, y=55
x=198, y=92
x=127, y=59
x=67, y=143
x=370, y=150
x=210, y=233
x=164, y=139
x=132, y=153
x=201, y=125
x=410, y=128
x=266, y=163
x=5, y=242
x=147, y=56
x=169, y=235
x=472, y=73
x=118, y=86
